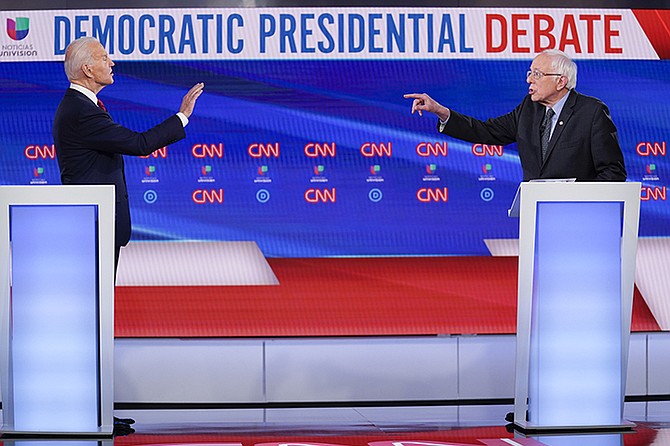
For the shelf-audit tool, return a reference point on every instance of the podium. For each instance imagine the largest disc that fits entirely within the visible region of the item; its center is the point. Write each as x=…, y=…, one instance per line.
x=577, y=248
x=57, y=311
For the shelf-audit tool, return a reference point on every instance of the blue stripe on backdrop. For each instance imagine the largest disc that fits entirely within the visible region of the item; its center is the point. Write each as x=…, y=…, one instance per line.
x=348, y=205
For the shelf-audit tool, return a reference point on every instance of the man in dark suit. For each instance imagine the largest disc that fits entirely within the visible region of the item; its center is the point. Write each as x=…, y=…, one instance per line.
x=89, y=144
x=580, y=139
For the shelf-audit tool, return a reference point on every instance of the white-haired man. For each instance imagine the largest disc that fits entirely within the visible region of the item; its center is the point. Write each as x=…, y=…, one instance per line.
x=559, y=133
x=90, y=145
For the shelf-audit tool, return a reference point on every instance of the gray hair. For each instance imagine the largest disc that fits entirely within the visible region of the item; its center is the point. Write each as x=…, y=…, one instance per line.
x=561, y=63
x=77, y=54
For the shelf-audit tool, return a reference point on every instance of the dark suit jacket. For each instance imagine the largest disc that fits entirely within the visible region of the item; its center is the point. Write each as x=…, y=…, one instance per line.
x=584, y=144
x=90, y=145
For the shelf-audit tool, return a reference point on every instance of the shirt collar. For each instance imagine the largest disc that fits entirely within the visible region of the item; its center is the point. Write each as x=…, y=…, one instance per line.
x=85, y=91
x=558, y=107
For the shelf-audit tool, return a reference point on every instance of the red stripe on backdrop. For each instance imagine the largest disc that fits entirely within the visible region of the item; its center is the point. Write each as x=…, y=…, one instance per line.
x=656, y=25
x=342, y=297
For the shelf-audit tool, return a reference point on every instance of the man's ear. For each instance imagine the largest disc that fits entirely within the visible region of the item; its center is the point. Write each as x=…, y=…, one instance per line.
x=562, y=82
x=87, y=70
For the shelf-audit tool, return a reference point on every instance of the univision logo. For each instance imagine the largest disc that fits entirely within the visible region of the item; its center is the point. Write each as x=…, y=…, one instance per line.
x=18, y=29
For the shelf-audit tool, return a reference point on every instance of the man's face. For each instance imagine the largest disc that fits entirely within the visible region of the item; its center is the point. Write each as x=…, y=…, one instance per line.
x=100, y=71
x=549, y=88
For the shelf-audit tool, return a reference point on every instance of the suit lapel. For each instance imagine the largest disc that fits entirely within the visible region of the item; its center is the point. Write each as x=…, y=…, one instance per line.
x=562, y=122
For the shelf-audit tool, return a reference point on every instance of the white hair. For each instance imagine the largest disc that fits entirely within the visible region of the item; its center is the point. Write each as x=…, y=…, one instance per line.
x=562, y=64
x=77, y=54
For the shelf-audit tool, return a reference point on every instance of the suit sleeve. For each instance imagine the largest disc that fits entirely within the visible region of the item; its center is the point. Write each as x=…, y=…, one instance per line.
x=104, y=135
x=501, y=130
x=605, y=148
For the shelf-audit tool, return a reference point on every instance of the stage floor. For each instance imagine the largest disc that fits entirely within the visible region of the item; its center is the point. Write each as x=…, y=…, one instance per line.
x=360, y=426
x=375, y=426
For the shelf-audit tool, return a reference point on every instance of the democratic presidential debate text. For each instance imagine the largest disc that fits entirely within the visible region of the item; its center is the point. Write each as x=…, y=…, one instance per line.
x=323, y=33
x=337, y=34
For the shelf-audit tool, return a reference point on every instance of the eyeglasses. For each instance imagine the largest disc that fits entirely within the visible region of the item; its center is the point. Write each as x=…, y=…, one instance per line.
x=537, y=74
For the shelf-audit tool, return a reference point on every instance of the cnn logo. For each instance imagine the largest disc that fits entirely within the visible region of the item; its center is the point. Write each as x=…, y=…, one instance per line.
x=487, y=150
x=371, y=149
x=202, y=196
x=207, y=150
x=649, y=148
x=648, y=193
x=434, y=195
x=258, y=150
x=40, y=152
x=314, y=150
x=314, y=196
x=425, y=149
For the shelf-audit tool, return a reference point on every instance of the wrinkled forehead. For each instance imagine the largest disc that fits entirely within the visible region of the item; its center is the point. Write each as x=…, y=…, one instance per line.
x=542, y=63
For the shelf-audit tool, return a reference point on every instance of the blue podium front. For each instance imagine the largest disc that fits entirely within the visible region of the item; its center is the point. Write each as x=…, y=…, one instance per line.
x=57, y=310
x=577, y=248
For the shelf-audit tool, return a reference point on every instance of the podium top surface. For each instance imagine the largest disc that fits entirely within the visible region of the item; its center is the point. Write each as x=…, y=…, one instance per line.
x=66, y=194
x=569, y=190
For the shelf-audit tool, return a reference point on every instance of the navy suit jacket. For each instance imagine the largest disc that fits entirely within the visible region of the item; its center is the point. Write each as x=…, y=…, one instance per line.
x=583, y=145
x=90, y=145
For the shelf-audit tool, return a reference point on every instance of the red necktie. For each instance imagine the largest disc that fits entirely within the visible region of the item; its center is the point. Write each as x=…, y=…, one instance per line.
x=101, y=105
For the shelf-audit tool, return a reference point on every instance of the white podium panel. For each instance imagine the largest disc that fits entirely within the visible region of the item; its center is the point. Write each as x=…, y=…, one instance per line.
x=57, y=310
x=577, y=246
